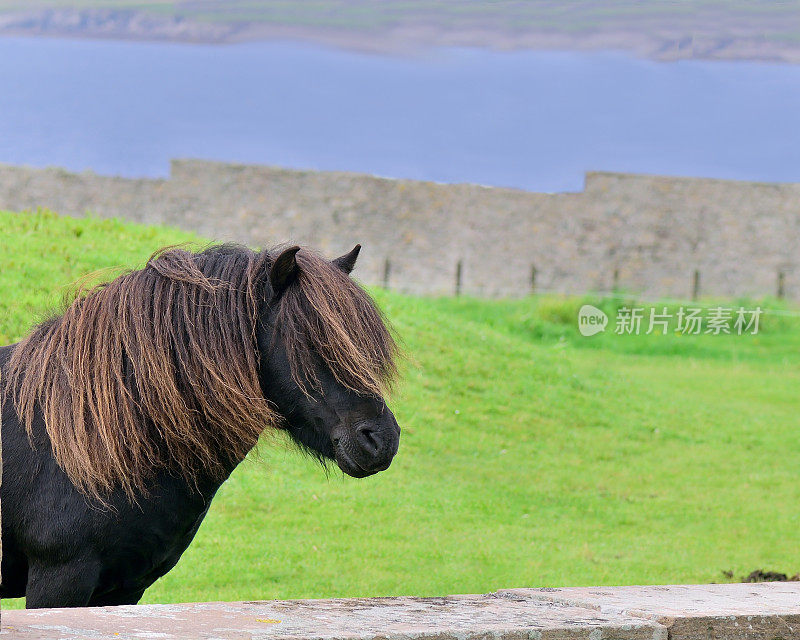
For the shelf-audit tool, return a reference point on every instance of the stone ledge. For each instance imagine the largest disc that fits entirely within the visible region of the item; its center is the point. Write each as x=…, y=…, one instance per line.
x=768, y=611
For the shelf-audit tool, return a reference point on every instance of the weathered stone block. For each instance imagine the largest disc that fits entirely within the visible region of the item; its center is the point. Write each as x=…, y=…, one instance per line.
x=763, y=611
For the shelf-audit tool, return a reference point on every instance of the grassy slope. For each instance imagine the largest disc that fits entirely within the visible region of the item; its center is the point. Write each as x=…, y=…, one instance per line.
x=530, y=456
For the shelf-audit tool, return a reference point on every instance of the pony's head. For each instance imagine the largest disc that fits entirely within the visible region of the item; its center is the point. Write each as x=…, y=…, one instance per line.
x=183, y=364
x=326, y=360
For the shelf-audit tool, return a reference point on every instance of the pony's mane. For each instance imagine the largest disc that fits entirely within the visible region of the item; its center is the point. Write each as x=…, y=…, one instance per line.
x=158, y=369
x=326, y=315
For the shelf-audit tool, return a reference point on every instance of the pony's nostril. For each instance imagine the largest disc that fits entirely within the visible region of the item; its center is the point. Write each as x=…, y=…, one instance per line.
x=369, y=439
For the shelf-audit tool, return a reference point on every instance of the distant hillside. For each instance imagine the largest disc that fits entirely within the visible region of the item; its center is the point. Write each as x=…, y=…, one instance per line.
x=661, y=29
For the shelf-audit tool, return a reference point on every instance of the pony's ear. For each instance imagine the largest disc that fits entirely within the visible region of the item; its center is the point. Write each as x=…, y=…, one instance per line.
x=284, y=270
x=348, y=260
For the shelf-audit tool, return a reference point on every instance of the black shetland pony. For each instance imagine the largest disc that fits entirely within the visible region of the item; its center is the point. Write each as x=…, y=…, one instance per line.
x=122, y=417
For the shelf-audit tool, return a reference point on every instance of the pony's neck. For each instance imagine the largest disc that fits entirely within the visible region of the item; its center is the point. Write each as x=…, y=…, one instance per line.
x=207, y=484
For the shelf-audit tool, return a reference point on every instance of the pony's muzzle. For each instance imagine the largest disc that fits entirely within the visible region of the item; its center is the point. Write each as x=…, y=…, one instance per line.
x=368, y=446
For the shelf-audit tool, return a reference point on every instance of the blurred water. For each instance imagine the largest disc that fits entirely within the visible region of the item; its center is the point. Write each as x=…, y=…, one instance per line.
x=535, y=120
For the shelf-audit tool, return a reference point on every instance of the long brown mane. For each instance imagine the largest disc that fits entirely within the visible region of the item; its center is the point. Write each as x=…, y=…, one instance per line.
x=158, y=369
x=327, y=316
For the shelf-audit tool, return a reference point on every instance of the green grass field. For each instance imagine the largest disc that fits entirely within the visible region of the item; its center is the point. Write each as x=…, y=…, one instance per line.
x=362, y=13
x=530, y=456
x=768, y=20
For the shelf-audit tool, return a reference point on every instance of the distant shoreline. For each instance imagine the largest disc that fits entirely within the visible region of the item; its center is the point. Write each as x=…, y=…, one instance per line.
x=668, y=45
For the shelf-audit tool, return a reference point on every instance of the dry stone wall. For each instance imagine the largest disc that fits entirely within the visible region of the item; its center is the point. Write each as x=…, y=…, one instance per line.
x=653, y=235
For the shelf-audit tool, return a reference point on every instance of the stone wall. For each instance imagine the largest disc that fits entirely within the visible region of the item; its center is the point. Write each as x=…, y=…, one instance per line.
x=765, y=611
x=653, y=235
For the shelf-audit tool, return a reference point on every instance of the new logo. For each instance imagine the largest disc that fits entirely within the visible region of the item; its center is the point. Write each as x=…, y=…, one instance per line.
x=591, y=320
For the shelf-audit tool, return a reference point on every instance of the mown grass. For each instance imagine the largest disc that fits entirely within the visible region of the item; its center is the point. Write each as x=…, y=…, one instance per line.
x=530, y=456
